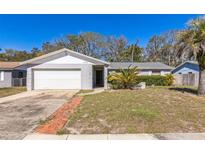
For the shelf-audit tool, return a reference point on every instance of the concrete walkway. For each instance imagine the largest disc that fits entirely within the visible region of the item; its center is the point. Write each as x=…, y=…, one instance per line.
x=20, y=95
x=95, y=91
x=162, y=136
x=21, y=113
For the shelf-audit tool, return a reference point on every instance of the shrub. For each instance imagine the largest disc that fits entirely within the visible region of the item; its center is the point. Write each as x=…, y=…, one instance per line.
x=125, y=78
x=169, y=79
x=156, y=80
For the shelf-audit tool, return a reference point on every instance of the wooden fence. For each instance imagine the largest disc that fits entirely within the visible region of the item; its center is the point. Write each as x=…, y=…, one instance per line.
x=189, y=79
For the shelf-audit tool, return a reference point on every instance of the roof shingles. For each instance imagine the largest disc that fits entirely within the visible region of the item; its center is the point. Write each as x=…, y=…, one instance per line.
x=8, y=65
x=143, y=65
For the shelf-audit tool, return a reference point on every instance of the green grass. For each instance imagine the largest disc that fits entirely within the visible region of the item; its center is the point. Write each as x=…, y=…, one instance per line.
x=153, y=110
x=11, y=91
x=63, y=131
x=85, y=91
x=145, y=113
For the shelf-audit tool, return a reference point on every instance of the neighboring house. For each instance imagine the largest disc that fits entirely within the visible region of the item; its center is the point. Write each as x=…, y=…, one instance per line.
x=11, y=75
x=66, y=69
x=187, y=74
x=145, y=68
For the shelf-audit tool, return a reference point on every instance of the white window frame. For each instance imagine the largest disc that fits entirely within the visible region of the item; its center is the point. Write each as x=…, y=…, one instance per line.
x=1, y=75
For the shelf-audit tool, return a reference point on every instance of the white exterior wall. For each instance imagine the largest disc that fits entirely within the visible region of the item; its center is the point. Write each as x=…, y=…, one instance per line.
x=148, y=72
x=29, y=79
x=105, y=77
x=165, y=72
x=67, y=60
x=186, y=70
x=5, y=79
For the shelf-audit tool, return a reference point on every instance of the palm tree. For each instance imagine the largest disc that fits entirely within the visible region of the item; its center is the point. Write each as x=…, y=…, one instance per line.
x=126, y=78
x=191, y=42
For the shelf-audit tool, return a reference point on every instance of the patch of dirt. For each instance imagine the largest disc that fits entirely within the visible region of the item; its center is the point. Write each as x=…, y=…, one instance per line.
x=103, y=123
x=73, y=130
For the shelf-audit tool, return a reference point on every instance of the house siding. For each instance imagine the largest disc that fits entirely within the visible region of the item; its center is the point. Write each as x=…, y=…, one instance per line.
x=186, y=69
x=105, y=77
x=147, y=72
x=87, y=77
x=7, y=82
x=29, y=79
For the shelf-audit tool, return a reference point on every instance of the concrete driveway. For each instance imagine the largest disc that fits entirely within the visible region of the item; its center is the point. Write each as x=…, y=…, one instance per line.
x=21, y=113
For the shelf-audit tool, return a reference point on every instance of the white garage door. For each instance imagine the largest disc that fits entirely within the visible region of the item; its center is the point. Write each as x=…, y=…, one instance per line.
x=57, y=79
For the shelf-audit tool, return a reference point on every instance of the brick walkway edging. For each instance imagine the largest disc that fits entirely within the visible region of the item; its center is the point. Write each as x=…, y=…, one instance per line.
x=59, y=118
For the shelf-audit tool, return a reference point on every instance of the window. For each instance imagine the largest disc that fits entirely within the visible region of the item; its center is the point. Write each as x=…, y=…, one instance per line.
x=20, y=75
x=1, y=75
x=156, y=72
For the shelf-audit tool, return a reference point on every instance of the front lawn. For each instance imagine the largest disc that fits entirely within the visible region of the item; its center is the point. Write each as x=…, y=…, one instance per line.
x=153, y=110
x=11, y=91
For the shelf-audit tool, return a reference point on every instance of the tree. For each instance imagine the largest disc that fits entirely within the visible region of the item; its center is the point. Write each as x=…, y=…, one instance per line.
x=92, y=43
x=168, y=49
x=125, y=78
x=191, y=41
x=154, y=48
x=15, y=55
x=88, y=43
x=113, y=48
x=109, y=48
x=132, y=53
x=105, y=47
x=35, y=52
x=50, y=47
x=162, y=48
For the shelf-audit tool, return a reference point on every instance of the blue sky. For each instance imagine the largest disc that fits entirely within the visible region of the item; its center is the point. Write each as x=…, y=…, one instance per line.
x=27, y=31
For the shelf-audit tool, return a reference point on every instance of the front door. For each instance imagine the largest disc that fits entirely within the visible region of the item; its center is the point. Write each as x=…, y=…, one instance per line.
x=99, y=78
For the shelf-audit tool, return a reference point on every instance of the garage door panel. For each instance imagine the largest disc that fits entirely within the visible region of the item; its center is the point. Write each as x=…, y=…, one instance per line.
x=57, y=79
x=58, y=74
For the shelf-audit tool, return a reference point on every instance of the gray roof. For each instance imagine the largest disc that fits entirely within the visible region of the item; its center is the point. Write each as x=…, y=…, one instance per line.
x=142, y=66
x=190, y=62
x=66, y=51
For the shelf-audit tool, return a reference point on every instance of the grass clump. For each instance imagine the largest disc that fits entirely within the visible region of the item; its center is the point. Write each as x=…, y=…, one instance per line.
x=145, y=113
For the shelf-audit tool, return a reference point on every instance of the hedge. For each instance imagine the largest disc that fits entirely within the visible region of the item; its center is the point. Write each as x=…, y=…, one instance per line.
x=156, y=80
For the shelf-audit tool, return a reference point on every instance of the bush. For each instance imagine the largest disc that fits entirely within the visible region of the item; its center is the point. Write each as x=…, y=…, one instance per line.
x=115, y=85
x=156, y=80
x=124, y=78
x=169, y=79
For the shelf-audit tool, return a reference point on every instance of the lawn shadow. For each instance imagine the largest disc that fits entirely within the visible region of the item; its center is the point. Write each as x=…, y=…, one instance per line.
x=185, y=89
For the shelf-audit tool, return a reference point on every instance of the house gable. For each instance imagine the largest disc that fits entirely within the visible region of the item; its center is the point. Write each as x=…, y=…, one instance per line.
x=68, y=60
x=186, y=68
x=67, y=56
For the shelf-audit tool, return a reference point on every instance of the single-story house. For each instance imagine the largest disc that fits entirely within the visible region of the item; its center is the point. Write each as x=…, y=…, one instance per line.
x=187, y=73
x=67, y=69
x=145, y=68
x=11, y=74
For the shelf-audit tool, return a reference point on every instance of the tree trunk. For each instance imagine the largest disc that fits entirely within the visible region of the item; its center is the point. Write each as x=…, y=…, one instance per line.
x=201, y=87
